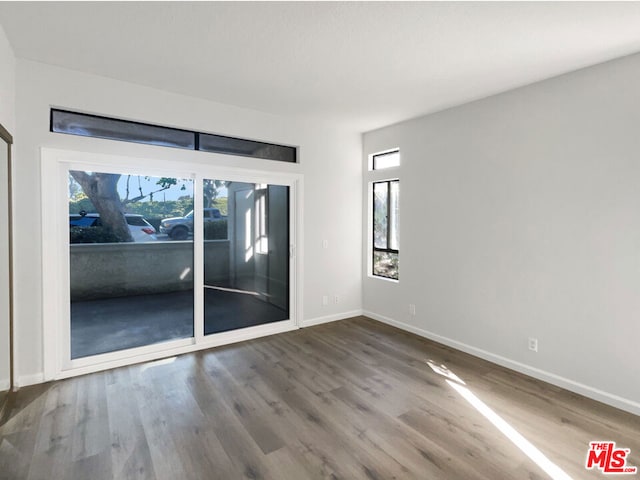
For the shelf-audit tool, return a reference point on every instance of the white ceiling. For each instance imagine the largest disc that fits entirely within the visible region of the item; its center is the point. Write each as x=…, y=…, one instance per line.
x=365, y=64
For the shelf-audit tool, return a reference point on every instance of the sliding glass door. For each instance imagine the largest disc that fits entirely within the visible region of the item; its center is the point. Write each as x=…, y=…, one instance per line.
x=131, y=282
x=146, y=258
x=246, y=254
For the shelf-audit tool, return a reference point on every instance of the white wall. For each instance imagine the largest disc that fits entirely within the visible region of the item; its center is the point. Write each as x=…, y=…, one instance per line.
x=329, y=160
x=520, y=217
x=7, y=84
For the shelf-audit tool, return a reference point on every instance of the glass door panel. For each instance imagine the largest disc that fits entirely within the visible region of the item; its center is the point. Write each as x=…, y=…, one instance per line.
x=246, y=254
x=131, y=261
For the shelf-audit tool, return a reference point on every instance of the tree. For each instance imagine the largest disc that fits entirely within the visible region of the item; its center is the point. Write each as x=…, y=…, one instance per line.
x=102, y=190
x=210, y=191
x=165, y=184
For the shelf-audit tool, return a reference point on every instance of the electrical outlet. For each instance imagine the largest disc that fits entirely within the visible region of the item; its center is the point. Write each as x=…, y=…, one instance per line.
x=336, y=299
x=325, y=243
x=325, y=300
x=412, y=309
x=533, y=344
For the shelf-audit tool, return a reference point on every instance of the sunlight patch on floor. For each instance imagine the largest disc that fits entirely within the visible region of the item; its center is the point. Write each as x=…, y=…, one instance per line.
x=540, y=459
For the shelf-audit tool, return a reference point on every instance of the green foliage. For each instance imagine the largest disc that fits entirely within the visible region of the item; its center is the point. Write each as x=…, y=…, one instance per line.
x=170, y=208
x=161, y=209
x=91, y=235
x=83, y=203
x=221, y=204
x=385, y=264
x=210, y=191
x=215, y=230
x=151, y=210
x=166, y=182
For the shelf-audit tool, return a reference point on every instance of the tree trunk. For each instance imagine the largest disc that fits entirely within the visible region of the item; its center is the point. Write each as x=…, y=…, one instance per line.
x=101, y=188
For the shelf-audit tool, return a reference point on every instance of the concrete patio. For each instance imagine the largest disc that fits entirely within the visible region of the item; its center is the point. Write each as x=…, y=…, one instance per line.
x=112, y=324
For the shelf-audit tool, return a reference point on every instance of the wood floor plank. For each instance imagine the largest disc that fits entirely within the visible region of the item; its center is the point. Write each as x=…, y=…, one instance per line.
x=91, y=432
x=159, y=433
x=253, y=415
x=352, y=435
x=242, y=454
x=288, y=463
x=353, y=399
x=202, y=454
x=317, y=441
x=14, y=463
x=130, y=454
x=19, y=434
x=52, y=457
x=95, y=467
x=302, y=439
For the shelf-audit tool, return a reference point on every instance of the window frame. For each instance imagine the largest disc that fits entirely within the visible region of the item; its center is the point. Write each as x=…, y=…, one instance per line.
x=55, y=165
x=375, y=249
x=372, y=162
x=198, y=141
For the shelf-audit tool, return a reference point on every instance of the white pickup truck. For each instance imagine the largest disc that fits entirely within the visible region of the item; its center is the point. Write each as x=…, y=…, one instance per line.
x=179, y=228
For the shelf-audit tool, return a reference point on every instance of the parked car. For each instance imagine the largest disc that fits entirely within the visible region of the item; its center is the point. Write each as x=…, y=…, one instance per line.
x=141, y=230
x=179, y=228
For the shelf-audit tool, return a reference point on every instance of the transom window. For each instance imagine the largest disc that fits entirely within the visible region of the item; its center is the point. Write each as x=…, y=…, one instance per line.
x=380, y=161
x=74, y=123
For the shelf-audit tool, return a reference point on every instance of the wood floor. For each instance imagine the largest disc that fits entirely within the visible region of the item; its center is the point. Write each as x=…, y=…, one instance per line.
x=352, y=399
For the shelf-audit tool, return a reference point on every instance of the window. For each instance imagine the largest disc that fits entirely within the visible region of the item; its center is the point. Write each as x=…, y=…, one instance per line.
x=245, y=148
x=86, y=125
x=390, y=159
x=114, y=129
x=136, y=221
x=385, y=229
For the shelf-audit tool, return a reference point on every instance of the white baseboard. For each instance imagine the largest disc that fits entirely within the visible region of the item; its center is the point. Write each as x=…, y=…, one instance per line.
x=4, y=385
x=330, y=318
x=576, y=387
x=26, y=380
